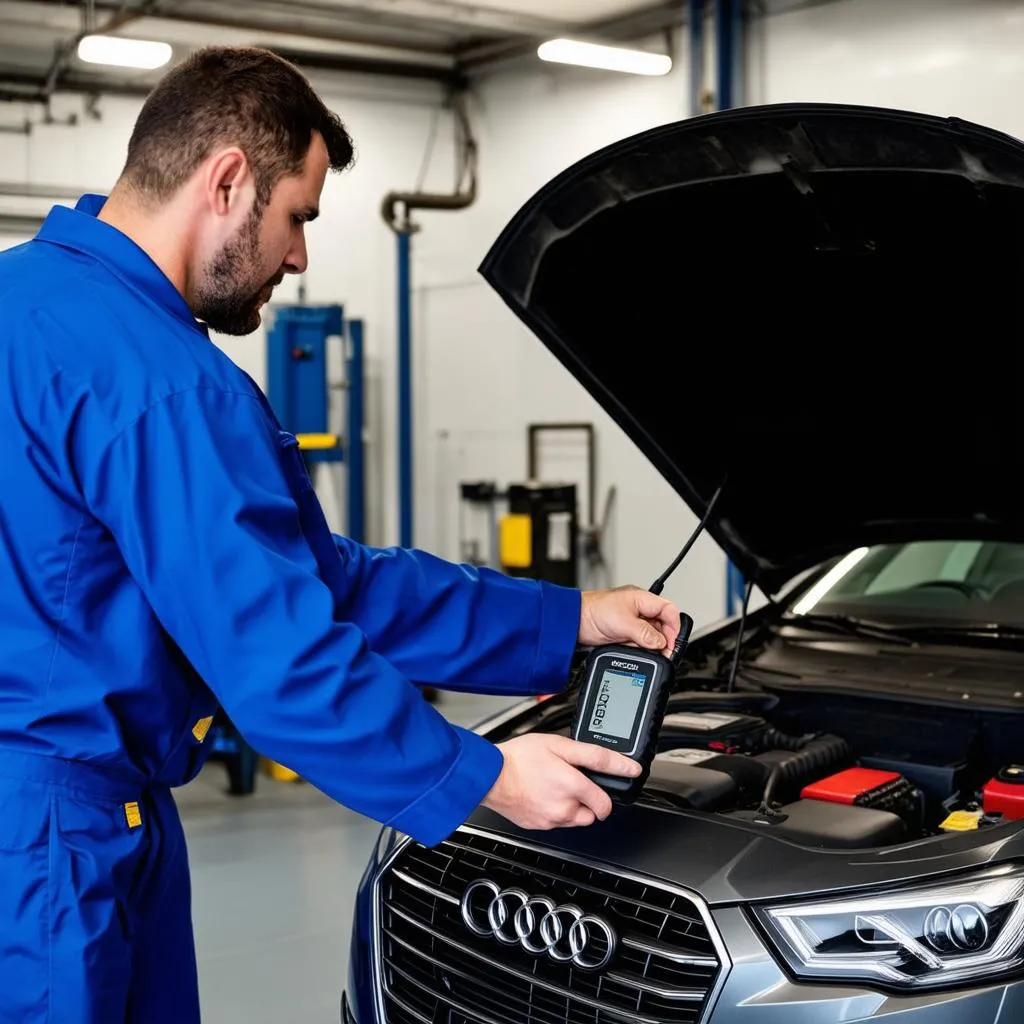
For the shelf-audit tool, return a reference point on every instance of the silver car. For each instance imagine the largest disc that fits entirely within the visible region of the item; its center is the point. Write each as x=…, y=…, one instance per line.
x=815, y=310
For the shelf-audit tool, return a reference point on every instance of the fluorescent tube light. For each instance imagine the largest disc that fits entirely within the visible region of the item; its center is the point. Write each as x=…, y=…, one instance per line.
x=607, y=58
x=120, y=52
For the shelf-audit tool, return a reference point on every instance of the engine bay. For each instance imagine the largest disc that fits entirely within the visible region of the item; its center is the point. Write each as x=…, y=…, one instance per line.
x=831, y=771
x=846, y=773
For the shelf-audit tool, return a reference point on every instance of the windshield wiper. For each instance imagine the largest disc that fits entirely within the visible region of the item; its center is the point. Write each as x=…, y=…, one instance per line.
x=847, y=625
x=986, y=630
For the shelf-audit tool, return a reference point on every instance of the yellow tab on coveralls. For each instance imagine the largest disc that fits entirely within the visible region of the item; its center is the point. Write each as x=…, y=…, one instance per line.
x=133, y=815
x=202, y=727
x=317, y=442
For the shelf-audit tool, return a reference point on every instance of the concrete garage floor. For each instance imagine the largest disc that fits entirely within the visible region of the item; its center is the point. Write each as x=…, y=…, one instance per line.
x=273, y=880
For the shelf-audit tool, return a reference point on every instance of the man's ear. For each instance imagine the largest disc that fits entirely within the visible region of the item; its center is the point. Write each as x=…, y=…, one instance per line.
x=227, y=176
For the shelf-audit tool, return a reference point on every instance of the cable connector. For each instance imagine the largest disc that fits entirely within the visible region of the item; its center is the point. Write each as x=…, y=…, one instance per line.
x=678, y=648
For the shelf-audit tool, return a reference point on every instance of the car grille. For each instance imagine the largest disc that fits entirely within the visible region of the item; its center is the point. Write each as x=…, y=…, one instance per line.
x=433, y=969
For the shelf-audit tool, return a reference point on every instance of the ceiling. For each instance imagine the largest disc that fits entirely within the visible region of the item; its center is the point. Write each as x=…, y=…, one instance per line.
x=447, y=40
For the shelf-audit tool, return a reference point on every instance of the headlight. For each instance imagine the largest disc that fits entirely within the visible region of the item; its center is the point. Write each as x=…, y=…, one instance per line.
x=911, y=939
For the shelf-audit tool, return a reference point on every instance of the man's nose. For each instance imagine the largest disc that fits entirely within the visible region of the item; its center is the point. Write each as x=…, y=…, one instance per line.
x=297, y=259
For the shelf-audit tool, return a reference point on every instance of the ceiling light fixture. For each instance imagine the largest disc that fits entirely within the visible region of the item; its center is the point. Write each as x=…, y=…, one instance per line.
x=606, y=58
x=119, y=52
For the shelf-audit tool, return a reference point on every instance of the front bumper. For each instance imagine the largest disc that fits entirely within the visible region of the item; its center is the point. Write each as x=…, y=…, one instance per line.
x=753, y=988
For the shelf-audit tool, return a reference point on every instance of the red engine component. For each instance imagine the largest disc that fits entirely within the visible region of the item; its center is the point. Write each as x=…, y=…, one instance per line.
x=865, y=787
x=1005, y=793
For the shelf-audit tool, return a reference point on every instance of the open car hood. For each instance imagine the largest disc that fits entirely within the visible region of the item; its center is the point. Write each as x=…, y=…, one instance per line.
x=818, y=305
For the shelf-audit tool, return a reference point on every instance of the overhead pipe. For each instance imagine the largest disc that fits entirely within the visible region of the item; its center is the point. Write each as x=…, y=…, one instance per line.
x=20, y=88
x=445, y=74
x=465, y=189
x=396, y=209
x=322, y=33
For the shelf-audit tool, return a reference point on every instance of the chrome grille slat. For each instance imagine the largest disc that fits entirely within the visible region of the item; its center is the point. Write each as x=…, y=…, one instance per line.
x=556, y=990
x=417, y=884
x=683, y=994
x=571, y=882
x=473, y=1013
x=453, y=1004
x=667, y=968
x=409, y=1010
x=666, y=952
x=510, y=1011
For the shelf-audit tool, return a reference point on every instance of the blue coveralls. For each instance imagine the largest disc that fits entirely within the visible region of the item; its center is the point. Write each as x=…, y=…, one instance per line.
x=162, y=553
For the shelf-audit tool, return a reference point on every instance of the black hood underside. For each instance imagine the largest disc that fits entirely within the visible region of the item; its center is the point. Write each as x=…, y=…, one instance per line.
x=816, y=305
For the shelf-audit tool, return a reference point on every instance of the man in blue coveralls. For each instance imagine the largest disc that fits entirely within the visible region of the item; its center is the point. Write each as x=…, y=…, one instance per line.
x=162, y=554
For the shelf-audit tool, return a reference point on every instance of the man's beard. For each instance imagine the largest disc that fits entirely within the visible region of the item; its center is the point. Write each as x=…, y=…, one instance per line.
x=227, y=298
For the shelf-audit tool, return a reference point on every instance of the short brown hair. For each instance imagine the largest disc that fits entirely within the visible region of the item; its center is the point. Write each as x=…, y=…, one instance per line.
x=230, y=95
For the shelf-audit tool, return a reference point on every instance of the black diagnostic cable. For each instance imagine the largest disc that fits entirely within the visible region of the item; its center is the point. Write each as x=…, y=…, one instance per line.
x=659, y=584
x=739, y=639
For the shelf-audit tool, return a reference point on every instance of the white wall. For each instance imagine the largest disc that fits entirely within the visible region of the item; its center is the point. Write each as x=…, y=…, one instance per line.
x=941, y=57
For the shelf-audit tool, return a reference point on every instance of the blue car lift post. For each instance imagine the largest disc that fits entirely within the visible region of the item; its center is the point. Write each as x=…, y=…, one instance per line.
x=297, y=388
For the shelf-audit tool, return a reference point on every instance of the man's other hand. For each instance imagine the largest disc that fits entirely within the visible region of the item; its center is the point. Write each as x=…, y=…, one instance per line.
x=541, y=787
x=628, y=615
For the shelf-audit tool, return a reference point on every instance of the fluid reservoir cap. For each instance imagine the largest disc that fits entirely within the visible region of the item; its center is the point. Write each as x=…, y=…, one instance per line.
x=1012, y=773
x=961, y=821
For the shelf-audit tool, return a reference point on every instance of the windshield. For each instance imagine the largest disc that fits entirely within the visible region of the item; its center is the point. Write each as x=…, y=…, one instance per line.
x=924, y=581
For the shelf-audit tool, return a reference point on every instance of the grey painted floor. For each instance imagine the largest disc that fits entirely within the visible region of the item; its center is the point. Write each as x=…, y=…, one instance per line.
x=273, y=878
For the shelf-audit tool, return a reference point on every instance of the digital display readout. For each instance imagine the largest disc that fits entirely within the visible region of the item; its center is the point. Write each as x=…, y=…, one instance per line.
x=618, y=698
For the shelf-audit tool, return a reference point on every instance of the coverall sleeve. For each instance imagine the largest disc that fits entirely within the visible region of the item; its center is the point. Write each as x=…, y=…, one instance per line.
x=195, y=495
x=458, y=626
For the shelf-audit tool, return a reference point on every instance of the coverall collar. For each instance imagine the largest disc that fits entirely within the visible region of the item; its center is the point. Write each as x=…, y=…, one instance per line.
x=81, y=230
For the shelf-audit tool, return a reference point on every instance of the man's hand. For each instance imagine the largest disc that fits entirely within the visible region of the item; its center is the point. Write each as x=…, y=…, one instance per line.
x=539, y=787
x=628, y=615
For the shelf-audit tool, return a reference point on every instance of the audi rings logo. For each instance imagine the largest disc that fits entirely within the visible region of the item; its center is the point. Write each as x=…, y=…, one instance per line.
x=538, y=925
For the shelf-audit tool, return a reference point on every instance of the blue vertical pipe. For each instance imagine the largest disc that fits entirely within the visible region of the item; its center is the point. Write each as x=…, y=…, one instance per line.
x=696, y=55
x=724, y=45
x=355, y=375
x=404, y=392
x=728, y=30
x=737, y=52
